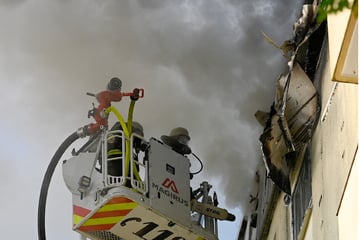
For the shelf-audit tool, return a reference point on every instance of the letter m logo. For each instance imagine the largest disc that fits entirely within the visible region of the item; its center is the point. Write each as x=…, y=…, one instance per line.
x=168, y=183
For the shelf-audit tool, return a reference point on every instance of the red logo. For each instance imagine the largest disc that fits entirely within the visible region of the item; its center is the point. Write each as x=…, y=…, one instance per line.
x=168, y=183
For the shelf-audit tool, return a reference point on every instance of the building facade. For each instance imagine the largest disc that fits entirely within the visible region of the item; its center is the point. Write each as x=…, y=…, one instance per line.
x=323, y=202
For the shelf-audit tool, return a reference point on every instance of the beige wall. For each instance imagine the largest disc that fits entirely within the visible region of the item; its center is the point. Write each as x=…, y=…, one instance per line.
x=280, y=225
x=334, y=146
x=348, y=214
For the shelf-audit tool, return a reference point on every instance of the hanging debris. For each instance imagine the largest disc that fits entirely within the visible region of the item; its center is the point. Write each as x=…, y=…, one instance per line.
x=288, y=127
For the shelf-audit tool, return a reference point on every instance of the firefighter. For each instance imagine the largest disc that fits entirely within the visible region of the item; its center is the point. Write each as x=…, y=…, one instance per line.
x=114, y=143
x=178, y=140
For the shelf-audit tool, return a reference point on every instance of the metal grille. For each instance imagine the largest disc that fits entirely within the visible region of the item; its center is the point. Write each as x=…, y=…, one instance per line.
x=116, y=181
x=104, y=235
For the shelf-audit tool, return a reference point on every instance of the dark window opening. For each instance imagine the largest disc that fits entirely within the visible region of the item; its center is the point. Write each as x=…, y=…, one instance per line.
x=301, y=199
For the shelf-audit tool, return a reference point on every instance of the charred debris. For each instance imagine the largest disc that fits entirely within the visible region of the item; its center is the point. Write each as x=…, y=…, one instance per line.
x=289, y=125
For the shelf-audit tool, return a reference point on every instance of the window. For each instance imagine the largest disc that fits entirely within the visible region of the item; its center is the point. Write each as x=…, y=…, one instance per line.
x=301, y=199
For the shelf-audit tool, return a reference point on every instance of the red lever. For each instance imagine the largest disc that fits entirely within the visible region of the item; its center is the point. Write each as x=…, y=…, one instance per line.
x=105, y=98
x=136, y=93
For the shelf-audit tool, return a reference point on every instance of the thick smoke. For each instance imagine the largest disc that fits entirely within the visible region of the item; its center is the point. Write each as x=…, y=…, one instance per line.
x=204, y=66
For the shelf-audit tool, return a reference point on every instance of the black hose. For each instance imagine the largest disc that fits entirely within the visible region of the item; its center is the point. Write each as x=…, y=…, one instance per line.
x=201, y=164
x=46, y=182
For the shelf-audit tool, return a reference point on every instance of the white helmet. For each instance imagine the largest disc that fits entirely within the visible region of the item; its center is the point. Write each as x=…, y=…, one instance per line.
x=178, y=140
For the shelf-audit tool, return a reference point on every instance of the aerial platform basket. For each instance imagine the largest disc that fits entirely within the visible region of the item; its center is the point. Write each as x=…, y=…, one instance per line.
x=125, y=187
x=157, y=205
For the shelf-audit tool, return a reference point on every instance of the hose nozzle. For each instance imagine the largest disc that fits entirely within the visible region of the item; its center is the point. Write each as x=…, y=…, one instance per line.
x=114, y=84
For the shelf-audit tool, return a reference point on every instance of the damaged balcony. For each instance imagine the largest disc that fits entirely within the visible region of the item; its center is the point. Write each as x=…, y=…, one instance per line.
x=289, y=125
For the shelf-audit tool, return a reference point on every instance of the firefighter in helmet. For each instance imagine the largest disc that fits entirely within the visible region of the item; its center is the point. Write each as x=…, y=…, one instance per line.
x=114, y=147
x=178, y=140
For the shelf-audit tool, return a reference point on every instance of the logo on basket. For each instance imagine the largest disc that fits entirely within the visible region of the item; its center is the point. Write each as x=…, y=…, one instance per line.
x=168, y=183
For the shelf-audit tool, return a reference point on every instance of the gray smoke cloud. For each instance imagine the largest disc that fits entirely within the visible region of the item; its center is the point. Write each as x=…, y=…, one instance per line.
x=204, y=65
